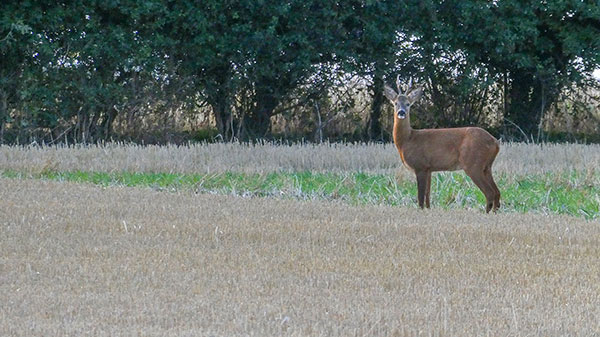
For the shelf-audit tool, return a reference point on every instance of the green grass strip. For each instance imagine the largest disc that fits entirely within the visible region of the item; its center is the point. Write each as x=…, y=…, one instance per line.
x=571, y=193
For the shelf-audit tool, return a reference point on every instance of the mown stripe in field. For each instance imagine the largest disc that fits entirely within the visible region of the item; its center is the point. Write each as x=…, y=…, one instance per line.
x=572, y=193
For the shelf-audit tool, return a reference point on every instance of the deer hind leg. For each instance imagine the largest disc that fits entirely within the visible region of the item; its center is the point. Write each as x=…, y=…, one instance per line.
x=490, y=178
x=423, y=188
x=492, y=183
x=479, y=178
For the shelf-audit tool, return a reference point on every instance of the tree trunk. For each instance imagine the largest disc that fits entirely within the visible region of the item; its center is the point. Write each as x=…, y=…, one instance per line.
x=106, y=127
x=529, y=99
x=223, y=118
x=257, y=122
x=373, y=129
x=220, y=97
x=3, y=113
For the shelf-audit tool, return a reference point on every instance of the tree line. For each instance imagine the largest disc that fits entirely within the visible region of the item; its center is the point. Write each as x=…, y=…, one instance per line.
x=82, y=71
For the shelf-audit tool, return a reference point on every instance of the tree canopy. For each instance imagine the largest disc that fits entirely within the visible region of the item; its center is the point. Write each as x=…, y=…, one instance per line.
x=69, y=70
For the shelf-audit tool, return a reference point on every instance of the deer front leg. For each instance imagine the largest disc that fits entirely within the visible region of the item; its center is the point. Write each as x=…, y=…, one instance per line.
x=422, y=187
x=428, y=189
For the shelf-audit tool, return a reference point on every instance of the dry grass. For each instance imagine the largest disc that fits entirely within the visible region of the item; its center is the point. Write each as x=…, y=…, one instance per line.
x=84, y=260
x=514, y=158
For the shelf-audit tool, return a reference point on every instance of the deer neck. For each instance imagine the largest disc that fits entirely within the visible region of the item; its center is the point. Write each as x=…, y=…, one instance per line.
x=402, y=131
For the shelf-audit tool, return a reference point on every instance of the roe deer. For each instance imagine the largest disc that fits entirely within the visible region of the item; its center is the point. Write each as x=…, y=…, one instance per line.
x=471, y=149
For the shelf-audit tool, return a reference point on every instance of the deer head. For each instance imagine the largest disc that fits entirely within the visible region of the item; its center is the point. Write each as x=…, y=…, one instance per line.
x=403, y=101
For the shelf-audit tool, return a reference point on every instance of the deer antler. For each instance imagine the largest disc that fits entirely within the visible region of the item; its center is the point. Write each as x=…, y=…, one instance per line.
x=398, y=84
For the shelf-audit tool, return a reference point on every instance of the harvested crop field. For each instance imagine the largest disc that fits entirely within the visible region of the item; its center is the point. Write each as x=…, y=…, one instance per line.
x=79, y=259
x=513, y=159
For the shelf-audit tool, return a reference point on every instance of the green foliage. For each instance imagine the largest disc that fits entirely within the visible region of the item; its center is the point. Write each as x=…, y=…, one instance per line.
x=72, y=72
x=246, y=56
x=541, y=47
x=77, y=67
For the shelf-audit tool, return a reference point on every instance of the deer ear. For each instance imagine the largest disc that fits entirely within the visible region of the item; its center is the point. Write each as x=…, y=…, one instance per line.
x=390, y=93
x=414, y=95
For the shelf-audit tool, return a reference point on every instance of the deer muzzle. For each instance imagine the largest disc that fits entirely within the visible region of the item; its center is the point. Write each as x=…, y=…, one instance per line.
x=401, y=113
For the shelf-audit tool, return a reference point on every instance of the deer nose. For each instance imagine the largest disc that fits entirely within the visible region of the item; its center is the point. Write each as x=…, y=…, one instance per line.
x=401, y=113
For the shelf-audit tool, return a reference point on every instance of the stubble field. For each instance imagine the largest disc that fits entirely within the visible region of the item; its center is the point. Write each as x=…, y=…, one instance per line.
x=541, y=179
x=94, y=258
